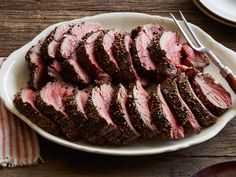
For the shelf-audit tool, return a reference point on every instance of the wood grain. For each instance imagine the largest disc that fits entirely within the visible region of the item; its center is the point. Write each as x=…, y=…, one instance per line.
x=21, y=20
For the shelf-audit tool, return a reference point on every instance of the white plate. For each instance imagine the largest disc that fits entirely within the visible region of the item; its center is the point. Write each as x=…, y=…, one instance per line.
x=15, y=73
x=223, y=11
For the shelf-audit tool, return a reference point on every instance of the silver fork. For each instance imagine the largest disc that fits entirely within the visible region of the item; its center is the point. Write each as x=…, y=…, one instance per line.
x=225, y=71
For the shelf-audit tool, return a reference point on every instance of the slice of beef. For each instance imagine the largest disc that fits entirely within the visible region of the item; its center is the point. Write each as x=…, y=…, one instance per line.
x=75, y=107
x=203, y=116
x=120, y=116
x=163, y=117
x=74, y=74
x=50, y=102
x=37, y=68
x=104, y=55
x=182, y=112
x=139, y=112
x=101, y=129
x=193, y=58
x=71, y=41
x=165, y=51
x=74, y=134
x=212, y=94
x=24, y=102
x=165, y=68
x=142, y=36
x=86, y=56
x=121, y=52
x=170, y=44
x=54, y=71
x=52, y=43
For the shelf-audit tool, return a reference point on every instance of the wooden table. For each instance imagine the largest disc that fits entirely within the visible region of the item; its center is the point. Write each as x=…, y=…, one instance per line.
x=21, y=20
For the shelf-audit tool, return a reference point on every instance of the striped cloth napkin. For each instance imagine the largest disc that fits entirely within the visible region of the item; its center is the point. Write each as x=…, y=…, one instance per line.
x=18, y=142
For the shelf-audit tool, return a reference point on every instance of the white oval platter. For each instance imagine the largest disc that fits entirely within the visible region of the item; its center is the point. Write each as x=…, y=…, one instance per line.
x=14, y=75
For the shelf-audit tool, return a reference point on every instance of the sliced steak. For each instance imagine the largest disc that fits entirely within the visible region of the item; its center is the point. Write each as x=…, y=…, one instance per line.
x=104, y=55
x=50, y=102
x=101, y=129
x=142, y=37
x=193, y=58
x=71, y=41
x=24, y=102
x=212, y=94
x=52, y=43
x=74, y=74
x=121, y=52
x=120, y=116
x=170, y=44
x=54, y=71
x=165, y=51
x=182, y=112
x=75, y=107
x=86, y=56
x=163, y=117
x=203, y=116
x=165, y=68
x=37, y=67
x=139, y=112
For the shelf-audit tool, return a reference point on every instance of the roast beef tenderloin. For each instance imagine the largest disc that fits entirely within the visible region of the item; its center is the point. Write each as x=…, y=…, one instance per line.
x=163, y=116
x=71, y=41
x=181, y=111
x=74, y=74
x=54, y=71
x=193, y=58
x=24, y=102
x=139, y=112
x=104, y=55
x=37, y=67
x=121, y=52
x=212, y=94
x=201, y=113
x=142, y=37
x=50, y=102
x=101, y=129
x=120, y=116
x=86, y=56
x=52, y=43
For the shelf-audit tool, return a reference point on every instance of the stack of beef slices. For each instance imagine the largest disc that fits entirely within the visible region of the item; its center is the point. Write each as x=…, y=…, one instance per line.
x=112, y=87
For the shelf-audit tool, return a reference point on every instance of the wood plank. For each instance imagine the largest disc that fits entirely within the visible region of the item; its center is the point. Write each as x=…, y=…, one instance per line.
x=95, y=5
x=19, y=26
x=85, y=165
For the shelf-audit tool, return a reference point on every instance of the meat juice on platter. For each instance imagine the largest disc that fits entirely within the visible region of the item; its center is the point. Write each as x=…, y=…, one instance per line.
x=114, y=87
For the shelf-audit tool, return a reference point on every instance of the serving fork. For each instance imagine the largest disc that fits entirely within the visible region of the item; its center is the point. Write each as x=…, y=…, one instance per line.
x=225, y=71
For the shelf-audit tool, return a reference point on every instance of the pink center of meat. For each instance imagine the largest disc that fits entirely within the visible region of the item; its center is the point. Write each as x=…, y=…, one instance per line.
x=61, y=30
x=81, y=99
x=176, y=129
x=90, y=48
x=28, y=96
x=68, y=46
x=70, y=42
x=101, y=97
x=215, y=92
x=142, y=43
x=122, y=98
x=54, y=94
x=141, y=101
x=108, y=41
x=80, y=71
x=169, y=42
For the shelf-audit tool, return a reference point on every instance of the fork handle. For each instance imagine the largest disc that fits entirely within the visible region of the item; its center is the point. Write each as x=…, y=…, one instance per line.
x=231, y=79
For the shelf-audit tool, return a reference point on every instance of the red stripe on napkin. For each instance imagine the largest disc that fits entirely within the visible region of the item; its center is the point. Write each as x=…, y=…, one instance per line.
x=18, y=142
